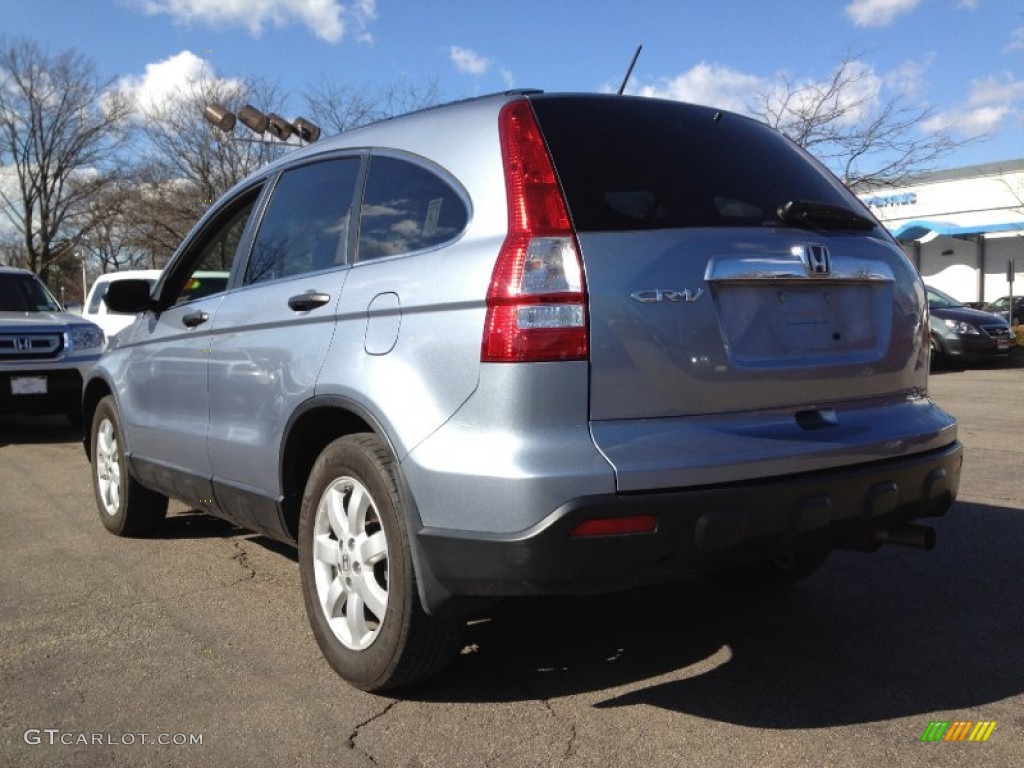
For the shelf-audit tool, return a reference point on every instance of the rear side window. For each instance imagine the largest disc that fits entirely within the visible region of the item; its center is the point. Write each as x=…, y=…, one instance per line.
x=305, y=228
x=635, y=163
x=406, y=208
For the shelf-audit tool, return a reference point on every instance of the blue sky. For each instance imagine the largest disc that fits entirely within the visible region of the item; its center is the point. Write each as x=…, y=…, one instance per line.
x=962, y=58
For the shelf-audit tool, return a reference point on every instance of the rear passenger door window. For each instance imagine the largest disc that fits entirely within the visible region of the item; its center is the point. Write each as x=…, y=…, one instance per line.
x=407, y=208
x=306, y=226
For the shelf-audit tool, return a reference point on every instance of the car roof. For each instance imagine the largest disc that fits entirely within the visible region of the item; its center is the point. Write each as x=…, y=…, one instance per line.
x=128, y=274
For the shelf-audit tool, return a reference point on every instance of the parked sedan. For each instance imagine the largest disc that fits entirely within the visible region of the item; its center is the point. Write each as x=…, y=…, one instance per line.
x=964, y=334
x=1001, y=307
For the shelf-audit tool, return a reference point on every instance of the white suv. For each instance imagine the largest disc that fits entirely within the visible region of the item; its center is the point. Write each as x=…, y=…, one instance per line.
x=97, y=311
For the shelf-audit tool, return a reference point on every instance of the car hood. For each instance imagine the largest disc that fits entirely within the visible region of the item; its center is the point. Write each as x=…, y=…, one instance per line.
x=967, y=315
x=39, y=321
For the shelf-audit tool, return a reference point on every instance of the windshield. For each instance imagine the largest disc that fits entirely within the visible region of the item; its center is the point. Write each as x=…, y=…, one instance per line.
x=25, y=293
x=939, y=300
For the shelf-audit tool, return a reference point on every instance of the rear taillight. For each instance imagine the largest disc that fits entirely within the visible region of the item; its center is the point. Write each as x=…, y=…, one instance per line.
x=536, y=303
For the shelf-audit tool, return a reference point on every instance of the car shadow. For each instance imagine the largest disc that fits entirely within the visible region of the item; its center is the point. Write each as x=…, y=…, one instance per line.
x=868, y=638
x=18, y=429
x=196, y=524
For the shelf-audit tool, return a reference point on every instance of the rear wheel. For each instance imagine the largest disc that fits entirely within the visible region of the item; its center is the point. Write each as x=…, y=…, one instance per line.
x=126, y=508
x=358, y=581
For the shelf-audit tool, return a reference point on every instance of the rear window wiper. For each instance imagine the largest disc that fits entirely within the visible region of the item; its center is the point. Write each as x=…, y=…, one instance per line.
x=804, y=213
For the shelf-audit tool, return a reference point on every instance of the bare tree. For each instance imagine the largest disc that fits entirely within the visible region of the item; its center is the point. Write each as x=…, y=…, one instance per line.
x=187, y=164
x=337, y=108
x=866, y=141
x=60, y=129
x=110, y=239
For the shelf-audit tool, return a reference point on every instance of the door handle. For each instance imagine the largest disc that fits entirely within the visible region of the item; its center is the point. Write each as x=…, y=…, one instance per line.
x=193, y=319
x=308, y=300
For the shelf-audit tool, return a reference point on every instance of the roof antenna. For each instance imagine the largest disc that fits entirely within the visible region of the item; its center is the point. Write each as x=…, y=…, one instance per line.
x=630, y=70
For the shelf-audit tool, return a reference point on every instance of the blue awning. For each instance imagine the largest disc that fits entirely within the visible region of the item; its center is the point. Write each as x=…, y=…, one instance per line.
x=919, y=228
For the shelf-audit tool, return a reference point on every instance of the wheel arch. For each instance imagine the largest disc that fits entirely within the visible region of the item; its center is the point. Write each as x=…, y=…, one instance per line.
x=318, y=422
x=95, y=390
x=311, y=427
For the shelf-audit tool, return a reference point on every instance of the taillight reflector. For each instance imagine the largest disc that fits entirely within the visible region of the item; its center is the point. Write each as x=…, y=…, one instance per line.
x=616, y=526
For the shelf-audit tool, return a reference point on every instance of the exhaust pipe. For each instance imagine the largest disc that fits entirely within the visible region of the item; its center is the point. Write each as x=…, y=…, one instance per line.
x=917, y=536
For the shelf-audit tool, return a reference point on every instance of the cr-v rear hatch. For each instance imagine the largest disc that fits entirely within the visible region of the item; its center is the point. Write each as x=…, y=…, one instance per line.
x=728, y=274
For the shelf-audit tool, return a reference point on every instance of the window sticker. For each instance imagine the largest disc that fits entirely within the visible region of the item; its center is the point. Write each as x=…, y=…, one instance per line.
x=433, y=214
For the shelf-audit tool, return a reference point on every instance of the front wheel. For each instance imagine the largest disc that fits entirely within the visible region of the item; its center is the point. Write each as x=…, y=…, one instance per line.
x=126, y=508
x=358, y=581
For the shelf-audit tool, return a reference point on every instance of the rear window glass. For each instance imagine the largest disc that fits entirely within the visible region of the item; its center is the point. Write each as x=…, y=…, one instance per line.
x=631, y=163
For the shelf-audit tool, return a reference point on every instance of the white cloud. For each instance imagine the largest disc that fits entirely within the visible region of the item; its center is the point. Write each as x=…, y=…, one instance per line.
x=878, y=13
x=712, y=85
x=908, y=78
x=167, y=80
x=1016, y=41
x=324, y=18
x=990, y=103
x=968, y=4
x=468, y=62
x=973, y=123
x=715, y=85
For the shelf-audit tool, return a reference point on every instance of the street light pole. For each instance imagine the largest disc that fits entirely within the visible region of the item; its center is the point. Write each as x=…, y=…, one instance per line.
x=84, y=288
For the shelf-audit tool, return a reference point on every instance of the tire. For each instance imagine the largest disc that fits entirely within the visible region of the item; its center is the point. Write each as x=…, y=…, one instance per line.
x=125, y=507
x=774, y=573
x=358, y=580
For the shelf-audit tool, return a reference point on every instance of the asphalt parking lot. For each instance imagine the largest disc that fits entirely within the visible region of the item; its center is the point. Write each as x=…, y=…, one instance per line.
x=198, y=639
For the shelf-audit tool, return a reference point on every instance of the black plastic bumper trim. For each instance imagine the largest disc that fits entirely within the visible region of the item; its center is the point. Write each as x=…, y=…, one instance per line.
x=699, y=529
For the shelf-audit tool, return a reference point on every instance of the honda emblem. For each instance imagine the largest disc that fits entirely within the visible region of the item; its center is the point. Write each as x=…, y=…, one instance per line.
x=817, y=260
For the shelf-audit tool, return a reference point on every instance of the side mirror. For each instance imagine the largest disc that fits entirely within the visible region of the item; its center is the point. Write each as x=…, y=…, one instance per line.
x=128, y=296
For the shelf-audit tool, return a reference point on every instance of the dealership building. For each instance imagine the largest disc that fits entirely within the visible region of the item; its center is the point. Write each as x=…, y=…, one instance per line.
x=963, y=227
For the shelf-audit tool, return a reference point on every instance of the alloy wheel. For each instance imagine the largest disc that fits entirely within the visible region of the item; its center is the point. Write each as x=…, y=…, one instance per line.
x=350, y=563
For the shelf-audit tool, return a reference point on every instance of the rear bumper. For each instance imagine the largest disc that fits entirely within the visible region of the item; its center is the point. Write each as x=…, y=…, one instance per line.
x=698, y=529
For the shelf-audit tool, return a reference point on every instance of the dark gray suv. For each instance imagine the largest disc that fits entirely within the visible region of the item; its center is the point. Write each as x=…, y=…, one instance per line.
x=528, y=344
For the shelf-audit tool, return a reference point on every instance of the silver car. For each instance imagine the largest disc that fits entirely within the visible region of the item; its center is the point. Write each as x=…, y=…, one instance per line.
x=527, y=344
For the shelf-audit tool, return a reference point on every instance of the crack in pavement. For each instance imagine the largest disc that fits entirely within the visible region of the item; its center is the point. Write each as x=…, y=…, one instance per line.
x=359, y=727
x=242, y=558
x=570, y=743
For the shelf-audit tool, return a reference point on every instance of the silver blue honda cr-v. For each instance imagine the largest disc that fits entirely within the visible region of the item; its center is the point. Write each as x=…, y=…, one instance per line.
x=527, y=344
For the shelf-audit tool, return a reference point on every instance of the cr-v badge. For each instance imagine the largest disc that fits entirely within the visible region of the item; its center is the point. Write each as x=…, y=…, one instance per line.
x=650, y=295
